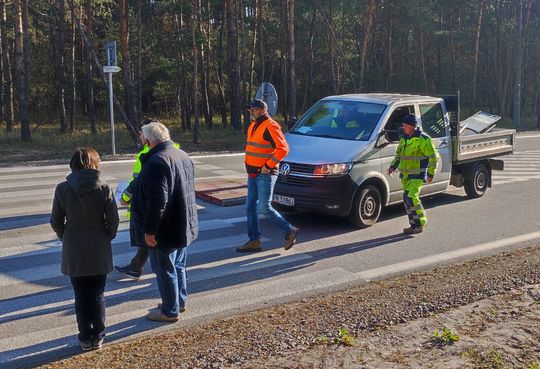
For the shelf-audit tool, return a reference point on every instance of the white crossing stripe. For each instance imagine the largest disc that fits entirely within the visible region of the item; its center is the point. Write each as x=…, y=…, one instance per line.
x=518, y=167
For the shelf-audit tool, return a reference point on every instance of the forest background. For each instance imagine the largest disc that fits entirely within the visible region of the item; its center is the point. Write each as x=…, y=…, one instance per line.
x=195, y=64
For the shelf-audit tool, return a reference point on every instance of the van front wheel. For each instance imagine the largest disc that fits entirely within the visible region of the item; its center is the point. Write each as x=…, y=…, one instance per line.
x=366, y=207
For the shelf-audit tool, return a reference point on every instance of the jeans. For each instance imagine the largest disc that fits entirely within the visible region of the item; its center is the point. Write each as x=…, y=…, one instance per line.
x=259, y=199
x=170, y=268
x=139, y=260
x=90, y=306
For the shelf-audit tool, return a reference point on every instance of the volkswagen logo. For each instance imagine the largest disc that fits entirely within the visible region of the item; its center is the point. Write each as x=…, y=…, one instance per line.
x=285, y=169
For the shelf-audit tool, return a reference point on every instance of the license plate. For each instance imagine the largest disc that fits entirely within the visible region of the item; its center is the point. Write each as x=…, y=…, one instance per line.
x=283, y=200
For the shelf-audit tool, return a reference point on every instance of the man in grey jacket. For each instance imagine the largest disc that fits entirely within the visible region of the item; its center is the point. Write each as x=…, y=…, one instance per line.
x=164, y=217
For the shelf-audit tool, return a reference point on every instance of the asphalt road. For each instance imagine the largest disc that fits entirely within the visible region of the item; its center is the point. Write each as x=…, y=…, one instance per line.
x=37, y=321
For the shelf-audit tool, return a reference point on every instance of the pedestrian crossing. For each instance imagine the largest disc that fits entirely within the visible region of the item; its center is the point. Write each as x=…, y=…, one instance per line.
x=518, y=167
x=37, y=321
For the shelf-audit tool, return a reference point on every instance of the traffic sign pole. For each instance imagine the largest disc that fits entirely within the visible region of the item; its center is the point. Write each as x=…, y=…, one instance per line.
x=111, y=112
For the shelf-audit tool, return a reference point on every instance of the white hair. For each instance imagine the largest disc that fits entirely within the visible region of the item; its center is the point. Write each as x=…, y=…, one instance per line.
x=156, y=133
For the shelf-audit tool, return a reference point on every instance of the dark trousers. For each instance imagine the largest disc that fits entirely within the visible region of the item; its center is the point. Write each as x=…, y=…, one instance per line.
x=90, y=306
x=139, y=260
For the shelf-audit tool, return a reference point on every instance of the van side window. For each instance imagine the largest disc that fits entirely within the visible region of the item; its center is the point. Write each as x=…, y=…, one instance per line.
x=432, y=120
x=396, y=118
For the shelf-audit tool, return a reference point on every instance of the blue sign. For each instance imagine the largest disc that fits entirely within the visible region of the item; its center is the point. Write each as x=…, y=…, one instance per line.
x=110, y=53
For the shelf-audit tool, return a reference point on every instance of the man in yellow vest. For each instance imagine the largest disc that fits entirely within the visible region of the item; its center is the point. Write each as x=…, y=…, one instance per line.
x=266, y=147
x=416, y=159
x=134, y=269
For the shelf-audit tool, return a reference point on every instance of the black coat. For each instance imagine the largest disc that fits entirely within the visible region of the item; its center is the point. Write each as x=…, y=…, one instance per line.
x=163, y=203
x=85, y=218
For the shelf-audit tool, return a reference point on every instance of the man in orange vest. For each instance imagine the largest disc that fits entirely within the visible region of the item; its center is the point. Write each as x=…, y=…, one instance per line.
x=266, y=147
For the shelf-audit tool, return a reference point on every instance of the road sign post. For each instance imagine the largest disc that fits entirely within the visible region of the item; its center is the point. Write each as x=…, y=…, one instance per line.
x=110, y=68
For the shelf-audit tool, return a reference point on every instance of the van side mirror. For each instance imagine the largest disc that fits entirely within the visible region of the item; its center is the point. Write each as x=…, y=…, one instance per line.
x=382, y=141
x=292, y=122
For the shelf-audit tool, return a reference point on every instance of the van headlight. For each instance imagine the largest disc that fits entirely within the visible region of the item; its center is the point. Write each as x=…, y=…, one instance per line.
x=332, y=169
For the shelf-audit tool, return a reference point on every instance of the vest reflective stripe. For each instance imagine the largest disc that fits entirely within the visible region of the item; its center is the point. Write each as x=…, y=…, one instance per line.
x=262, y=146
x=412, y=170
x=413, y=157
x=259, y=155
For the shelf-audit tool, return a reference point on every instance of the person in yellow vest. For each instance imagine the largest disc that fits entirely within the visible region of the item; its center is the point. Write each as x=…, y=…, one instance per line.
x=134, y=269
x=416, y=159
x=266, y=147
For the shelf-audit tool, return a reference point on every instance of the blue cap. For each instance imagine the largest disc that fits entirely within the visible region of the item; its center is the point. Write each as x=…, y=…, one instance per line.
x=410, y=119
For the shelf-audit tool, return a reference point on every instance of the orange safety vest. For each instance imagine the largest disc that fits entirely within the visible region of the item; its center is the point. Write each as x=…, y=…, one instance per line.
x=259, y=151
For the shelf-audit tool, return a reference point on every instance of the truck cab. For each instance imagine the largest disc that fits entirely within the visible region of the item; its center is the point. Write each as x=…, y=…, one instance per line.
x=341, y=147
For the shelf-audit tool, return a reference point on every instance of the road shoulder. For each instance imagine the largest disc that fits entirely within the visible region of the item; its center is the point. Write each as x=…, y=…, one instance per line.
x=392, y=320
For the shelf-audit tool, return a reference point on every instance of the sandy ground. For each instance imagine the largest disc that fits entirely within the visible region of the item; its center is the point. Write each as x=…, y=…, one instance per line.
x=498, y=332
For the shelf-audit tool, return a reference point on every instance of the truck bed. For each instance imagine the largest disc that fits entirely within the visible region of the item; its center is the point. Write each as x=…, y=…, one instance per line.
x=468, y=148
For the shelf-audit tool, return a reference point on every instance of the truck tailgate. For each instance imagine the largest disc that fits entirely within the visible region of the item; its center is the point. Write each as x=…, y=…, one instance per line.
x=482, y=145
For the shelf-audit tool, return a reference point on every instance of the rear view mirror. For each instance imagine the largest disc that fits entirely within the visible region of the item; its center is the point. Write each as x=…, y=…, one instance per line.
x=291, y=123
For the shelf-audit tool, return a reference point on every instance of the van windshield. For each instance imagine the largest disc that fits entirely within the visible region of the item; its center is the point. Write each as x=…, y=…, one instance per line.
x=345, y=120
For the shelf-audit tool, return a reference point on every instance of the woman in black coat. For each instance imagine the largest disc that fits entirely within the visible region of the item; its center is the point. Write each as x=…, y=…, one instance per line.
x=85, y=218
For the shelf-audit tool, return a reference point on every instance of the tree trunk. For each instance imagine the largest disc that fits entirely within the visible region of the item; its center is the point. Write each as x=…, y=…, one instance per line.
x=195, y=53
x=308, y=97
x=20, y=71
x=423, y=62
x=389, y=60
x=126, y=63
x=365, y=40
x=73, y=79
x=59, y=64
x=7, y=85
x=292, y=71
x=183, y=100
x=139, y=57
x=476, y=52
x=89, y=74
x=258, y=20
x=234, y=76
x=205, y=65
x=253, y=48
x=219, y=70
x=330, y=36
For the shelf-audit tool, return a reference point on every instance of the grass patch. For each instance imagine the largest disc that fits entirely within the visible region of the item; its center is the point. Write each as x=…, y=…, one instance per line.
x=48, y=143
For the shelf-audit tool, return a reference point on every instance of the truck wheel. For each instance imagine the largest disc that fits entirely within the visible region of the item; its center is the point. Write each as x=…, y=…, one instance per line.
x=366, y=207
x=477, y=186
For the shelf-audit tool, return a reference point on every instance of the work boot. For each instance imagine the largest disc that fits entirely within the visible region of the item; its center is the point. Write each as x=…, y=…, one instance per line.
x=290, y=238
x=126, y=271
x=250, y=246
x=157, y=316
x=413, y=229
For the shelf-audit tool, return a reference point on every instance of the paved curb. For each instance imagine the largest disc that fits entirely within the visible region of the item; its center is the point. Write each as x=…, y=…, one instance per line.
x=223, y=192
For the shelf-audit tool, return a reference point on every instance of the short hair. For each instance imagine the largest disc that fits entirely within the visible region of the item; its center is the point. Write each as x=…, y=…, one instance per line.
x=86, y=158
x=156, y=132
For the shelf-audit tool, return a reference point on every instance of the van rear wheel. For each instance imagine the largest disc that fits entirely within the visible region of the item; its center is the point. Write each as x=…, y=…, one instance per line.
x=366, y=207
x=478, y=184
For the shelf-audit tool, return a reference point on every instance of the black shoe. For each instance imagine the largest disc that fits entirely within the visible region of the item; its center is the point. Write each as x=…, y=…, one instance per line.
x=133, y=274
x=97, y=343
x=86, y=345
x=413, y=230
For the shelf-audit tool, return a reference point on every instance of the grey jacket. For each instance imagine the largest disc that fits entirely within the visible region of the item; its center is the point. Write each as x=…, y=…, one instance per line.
x=85, y=218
